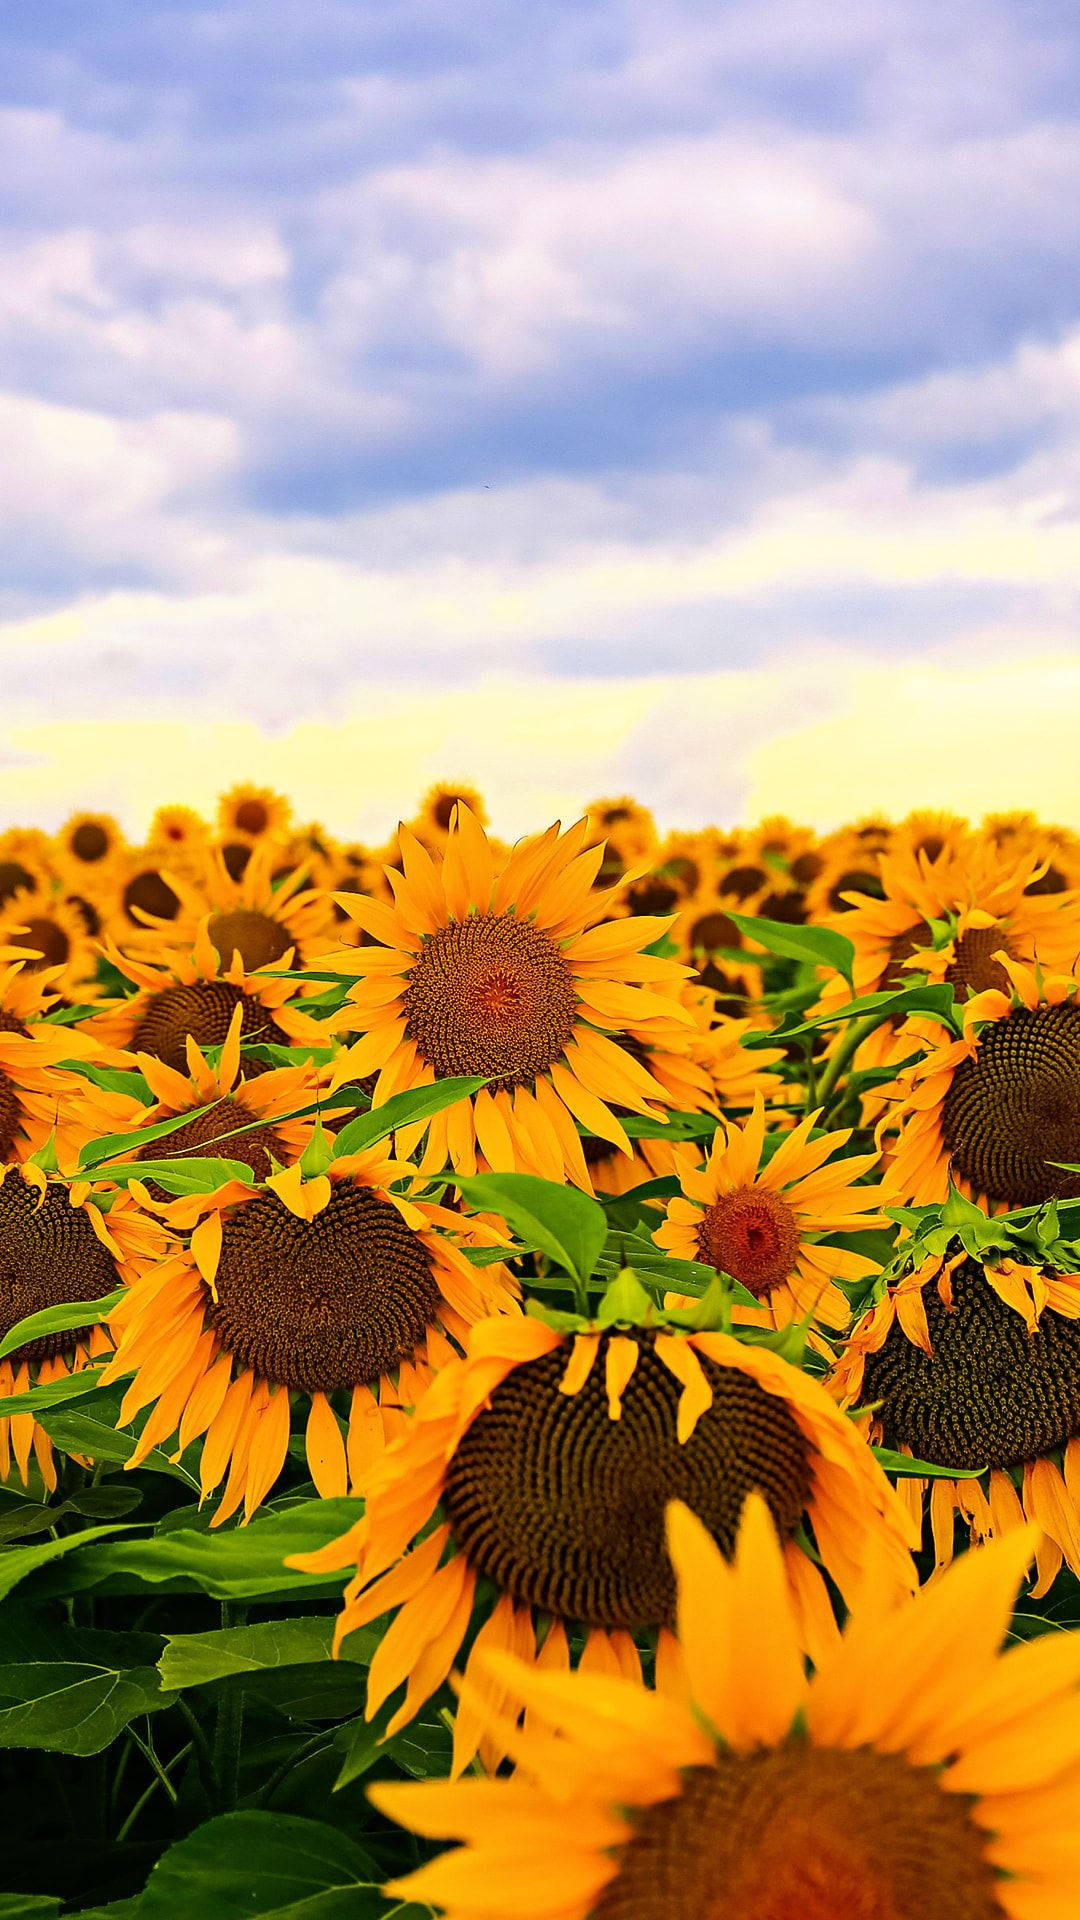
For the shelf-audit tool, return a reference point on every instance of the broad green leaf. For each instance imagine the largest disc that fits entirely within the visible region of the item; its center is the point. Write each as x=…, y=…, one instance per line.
x=245, y=1563
x=562, y=1221
x=930, y=997
x=196, y=1659
x=17, y=1562
x=819, y=945
x=664, y=1270
x=263, y=1866
x=113, y=1079
x=402, y=1109
x=53, y=1393
x=62, y=1319
x=25, y=1517
x=96, y=1152
x=190, y=1175
x=674, y=1126
x=72, y=1690
x=907, y=1469
x=89, y=1429
x=31, y=1906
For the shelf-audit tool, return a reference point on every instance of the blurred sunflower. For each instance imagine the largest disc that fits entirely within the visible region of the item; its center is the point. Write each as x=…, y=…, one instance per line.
x=762, y=1222
x=54, y=932
x=37, y=1097
x=332, y=1288
x=87, y=849
x=145, y=896
x=248, y=813
x=59, y=1244
x=921, y=1774
x=179, y=834
x=990, y=1113
x=194, y=996
x=977, y=1367
x=433, y=821
x=1056, y=849
x=500, y=971
x=550, y=1457
x=268, y=924
x=25, y=863
x=689, y=860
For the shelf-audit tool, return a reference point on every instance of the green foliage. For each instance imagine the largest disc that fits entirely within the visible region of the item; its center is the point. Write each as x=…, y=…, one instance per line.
x=402, y=1110
x=275, y=1866
x=564, y=1223
x=819, y=945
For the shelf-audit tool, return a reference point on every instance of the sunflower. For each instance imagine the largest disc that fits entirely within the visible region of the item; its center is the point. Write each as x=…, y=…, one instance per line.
x=991, y=1112
x=249, y=1119
x=762, y=1224
x=87, y=847
x=432, y=823
x=849, y=863
x=551, y=1456
x=247, y=813
x=501, y=972
x=24, y=870
x=37, y=1097
x=779, y=841
x=54, y=932
x=145, y=895
x=179, y=833
x=194, y=996
x=334, y=1288
x=688, y=860
x=976, y=1365
x=706, y=937
x=267, y=923
x=1056, y=849
x=59, y=1244
x=626, y=828
x=920, y=1774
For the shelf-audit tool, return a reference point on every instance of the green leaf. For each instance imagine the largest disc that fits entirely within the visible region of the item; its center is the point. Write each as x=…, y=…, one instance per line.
x=930, y=997
x=52, y=1393
x=906, y=1469
x=113, y=1079
x=30, y=1906
x=195, y=1175
x=62, y=1319
x=196, y=1659
x=562, y=1221
x=72, y=1690
x=402, y=1109
x=674, y=1126
x=624, y=1300
x=246, y=1563
x=819, y=945
x=90, y=1429
x=96, y=1152
x=17, y=1562
x=279, y=1866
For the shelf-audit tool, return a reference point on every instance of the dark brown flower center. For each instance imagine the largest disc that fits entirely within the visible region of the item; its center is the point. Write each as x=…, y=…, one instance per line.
x=1015, y=1107
x=322, y=1304
x=236, y=856
x=563, y=1507
x=974, y=969
x=743, y=881
x=204, y=1135
x=652, y=895
x=712, y=930
x=87, y=913
x=789, y=907
x=685, y=872
x=204, y=1010
x=255, y=936
x=805, y=867
x=1052, y=881
x=991, y=1394
x=11, y=1115
x=47, y=939
x=150, y=893
x=251, y=817
x=797, y=1832
x=901, y=947
x=752, y=1235
x=14, y=879
x=49, y=1254
x=443, y=810
x=89, y=842
x=491, y=995
x=856, y=880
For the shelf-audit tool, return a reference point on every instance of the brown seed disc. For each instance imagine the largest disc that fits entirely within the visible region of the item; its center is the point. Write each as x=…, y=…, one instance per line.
x=652, y=895
x=11, y=1114
x=798, y=1832
x=752, y=1235
x=991, y=1395
x=203, y=1010
x=901, y=947
x=743, y=881
x=712, y=930
x=251, y=817
x=259, y=939
x=327, y=1303
x=685, y=872
x=1051, y=882
x=203, y=1135
x=490, y=994
x=857, y=880
x=974, y=970
x=805, y=867
x=49, y=1254
x=443, y=809
x=87, y=913
x=789, y=908
x=89, y=842
x=48, y=941
x=151, y=894
x=236, y=856
x=730, y=988
x=13, y=879
x=1016, y=1106
x=563, y=1507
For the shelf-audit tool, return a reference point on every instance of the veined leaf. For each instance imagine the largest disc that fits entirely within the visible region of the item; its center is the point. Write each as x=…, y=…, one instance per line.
x=934, y=997
x=61, y=1319
x=562, y=1221
x=96, y=1152
x=197, y=1659
x=113, y=1079
x=72, y=1690
x=906, y=1469
x=186, y=1175
x=17, y=1562
x=402, y=1109
x=819, y=945
x=264, y=1866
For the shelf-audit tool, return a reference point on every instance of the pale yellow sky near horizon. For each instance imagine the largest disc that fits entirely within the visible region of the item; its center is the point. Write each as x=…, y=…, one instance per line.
x=808, y=740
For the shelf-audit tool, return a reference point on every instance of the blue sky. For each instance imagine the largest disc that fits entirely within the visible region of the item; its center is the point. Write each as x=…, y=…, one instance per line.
x=698, y=366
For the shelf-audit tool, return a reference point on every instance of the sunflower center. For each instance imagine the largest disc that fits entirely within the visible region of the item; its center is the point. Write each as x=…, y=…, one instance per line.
x=1016, y=1106
x=652, y=895
x=743, y=881
x=901, y=948
x=805, y=1833
x=1051, y=882
x=203, y=1135
x=991, y=1394
x=326, y=1303
x=805, y=867
x=490, y=995
x=258, y=939
x=712, y=930
x=856, y=880
x=14, y=879
x=89, y=842
x=252, y=817
x=563, y=1507
x=10, y=1116
x=236, y=855
x=151, y=894
x=752, y=1235
x=443, y=810
x=49, y=1253
x=47, y=940
x=204, y=1011
x=974, y=969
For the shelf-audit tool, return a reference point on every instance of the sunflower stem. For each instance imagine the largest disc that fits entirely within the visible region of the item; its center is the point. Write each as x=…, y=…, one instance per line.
x=229, y=1725
x=845, y=1053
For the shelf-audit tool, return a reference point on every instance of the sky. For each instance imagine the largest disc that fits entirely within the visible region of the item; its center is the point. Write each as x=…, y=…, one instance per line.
x=573, y=398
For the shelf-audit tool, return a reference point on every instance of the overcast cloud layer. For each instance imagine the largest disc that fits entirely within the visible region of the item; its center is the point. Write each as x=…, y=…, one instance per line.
x=683, y=361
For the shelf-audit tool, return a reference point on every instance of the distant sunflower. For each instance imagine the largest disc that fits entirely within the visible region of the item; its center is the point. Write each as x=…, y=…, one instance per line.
x=1056, y=849
x=145, y=896
x=58, y=1245
x=549, y=1458
x=433, y=821
x=763, y=1224
x=54, y=932
x=179, y=833
x=498, y=970
x=37, y=1097
x=336, y=1289
x=22, y=874
x=249, y=813
x=921, y=1774
x=991, y=1112
x=971, y=1366
x=87, y=849
x=688, y=860
x=779, y=841
x=267, y=924
x=194, y=995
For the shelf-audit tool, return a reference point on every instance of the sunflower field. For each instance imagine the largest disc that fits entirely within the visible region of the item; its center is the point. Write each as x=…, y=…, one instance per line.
x=539, y=1380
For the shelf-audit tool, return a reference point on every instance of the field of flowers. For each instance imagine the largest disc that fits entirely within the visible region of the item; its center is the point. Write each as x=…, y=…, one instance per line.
x=539, y=1381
